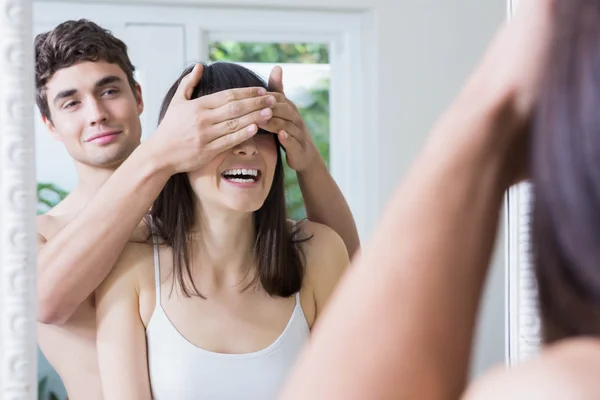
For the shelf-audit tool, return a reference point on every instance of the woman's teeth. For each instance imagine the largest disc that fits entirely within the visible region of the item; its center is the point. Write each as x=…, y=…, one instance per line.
x=241, y=175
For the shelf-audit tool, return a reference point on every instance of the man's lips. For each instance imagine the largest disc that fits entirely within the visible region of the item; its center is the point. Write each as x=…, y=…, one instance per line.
x=103, y=136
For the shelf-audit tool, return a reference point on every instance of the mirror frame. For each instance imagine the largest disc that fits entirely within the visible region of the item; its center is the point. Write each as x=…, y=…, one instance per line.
x=523, y=330
x=18, y=204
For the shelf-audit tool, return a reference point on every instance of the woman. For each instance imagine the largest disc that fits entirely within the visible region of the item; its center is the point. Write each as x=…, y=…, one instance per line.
x=221, y=301
x=436, y=237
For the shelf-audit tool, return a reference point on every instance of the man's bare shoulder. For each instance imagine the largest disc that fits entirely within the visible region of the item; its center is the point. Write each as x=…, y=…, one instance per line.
x=566, y=370
x=48, y=225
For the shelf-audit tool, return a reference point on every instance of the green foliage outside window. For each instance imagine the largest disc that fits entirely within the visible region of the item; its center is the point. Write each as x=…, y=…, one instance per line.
x=300, y=53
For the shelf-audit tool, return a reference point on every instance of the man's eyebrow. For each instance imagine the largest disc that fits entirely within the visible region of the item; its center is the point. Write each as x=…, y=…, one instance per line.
x=107, y=80
x=64, y=93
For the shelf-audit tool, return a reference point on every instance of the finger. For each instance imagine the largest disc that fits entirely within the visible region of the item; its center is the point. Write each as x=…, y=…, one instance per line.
x=189, y=82
x=276, y=79
x=235, y=124
x=219, y=99
x=286, y=112
x=231, y=140
x=282, y=99
x=239, y=108
x=289, y=143
x=275, y=124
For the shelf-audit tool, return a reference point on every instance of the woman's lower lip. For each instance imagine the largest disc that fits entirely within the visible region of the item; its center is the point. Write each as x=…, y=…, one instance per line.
x=248, y=184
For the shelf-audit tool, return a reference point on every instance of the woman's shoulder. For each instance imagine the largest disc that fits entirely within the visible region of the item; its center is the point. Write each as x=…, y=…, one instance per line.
x=318, y=239
x=131, y=265
x=326, y=256
x=566, y=370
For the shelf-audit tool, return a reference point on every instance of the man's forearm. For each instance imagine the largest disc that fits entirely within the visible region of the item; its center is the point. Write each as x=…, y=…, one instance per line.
x=325, y=204
x=74, y=262
x=413, y=292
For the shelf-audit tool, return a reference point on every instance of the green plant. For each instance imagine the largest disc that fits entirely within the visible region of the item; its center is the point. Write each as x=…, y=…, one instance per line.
x=49, y=195
x=44, y=394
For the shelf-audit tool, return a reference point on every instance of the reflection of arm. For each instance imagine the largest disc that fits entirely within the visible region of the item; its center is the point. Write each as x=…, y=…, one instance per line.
x=326, y=204
x=121, y=339
x=72, y=263
x=327, y=260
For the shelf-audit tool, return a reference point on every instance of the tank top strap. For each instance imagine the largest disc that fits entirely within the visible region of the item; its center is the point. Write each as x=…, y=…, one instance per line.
x=298, y=299
x=156, y=270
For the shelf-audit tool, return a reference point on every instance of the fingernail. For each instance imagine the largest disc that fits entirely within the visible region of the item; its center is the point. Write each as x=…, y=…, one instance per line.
x=262, y=91
x=250, y=128
x=266, y=112
x=285, y=134
x=270, y=100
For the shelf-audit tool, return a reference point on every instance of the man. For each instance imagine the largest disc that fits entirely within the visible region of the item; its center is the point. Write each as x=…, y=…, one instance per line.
x=90, y=101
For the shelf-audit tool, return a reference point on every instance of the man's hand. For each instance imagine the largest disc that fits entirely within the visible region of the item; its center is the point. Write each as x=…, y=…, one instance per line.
x=301, y=151
x=193, y=132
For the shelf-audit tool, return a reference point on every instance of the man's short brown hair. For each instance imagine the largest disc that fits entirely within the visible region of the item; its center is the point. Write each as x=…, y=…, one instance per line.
x=71, y=42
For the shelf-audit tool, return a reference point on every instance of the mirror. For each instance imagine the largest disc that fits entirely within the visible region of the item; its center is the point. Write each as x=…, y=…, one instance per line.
x=323, y=75
x=320, y=53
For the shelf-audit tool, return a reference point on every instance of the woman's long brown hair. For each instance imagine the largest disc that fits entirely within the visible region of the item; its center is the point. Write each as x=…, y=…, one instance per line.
x=565, y=156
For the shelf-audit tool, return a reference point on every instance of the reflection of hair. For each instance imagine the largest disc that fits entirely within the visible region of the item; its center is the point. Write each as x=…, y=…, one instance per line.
x=278, y=257
x=566, y=176
x=69, y=43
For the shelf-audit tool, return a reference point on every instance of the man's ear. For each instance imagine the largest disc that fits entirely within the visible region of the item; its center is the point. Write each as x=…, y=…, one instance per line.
x=138, y=97
x=51, y=128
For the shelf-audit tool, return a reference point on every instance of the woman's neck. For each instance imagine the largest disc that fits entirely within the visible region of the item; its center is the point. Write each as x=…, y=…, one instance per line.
x=223, y=243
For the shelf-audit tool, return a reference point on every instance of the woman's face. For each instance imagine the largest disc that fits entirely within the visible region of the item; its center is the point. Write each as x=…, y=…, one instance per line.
x=238, y=179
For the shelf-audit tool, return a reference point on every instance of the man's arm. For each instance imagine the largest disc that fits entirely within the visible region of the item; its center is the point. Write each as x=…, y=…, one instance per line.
x=325, y=203
x=323, y=199
x=72, y=263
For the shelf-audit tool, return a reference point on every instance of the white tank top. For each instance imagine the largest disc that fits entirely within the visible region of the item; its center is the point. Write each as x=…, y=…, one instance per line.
x=179, y=370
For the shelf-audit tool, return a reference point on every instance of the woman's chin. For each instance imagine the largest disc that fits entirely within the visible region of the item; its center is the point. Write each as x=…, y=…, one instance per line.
x=242, y=205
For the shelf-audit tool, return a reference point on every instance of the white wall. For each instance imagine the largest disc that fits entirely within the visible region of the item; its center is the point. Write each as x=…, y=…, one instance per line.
x=424, y=50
